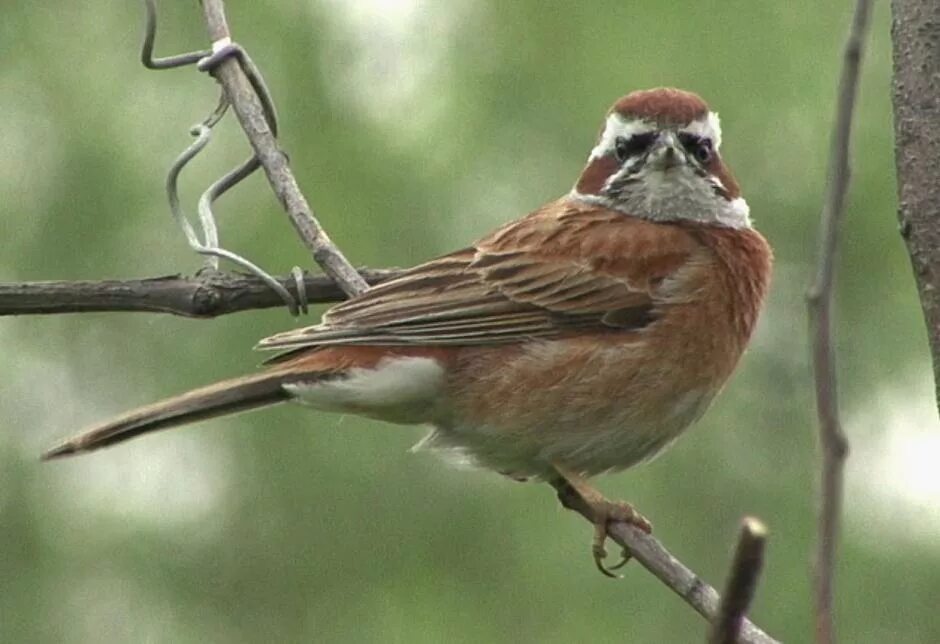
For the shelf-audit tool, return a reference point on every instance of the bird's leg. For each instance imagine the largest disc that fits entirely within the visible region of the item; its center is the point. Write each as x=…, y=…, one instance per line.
x=576, y=494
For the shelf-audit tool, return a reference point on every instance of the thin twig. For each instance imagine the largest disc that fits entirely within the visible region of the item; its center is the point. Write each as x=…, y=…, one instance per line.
x=653, y=556
x=819, y=299
x=250, y=112
x=742, y=582
x=207, y=295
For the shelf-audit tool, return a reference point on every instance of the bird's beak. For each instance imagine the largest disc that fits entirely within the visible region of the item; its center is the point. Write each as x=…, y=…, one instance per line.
x=666, y=152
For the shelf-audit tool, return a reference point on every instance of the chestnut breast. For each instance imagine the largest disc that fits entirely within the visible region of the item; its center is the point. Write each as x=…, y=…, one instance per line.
x=707, y=285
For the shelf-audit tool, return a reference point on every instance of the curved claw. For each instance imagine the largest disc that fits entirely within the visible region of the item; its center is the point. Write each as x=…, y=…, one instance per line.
x=617, y=512
x=625, y=558
x=574, y=494
x=599, y=555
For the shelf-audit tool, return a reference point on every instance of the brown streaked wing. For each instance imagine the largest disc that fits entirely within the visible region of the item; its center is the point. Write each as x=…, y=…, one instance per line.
x=523, y=282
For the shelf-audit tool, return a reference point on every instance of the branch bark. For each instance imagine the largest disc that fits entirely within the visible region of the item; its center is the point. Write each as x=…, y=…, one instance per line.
x=652, y=555
x=820, y=299
x=915, y=33
x=251, y=115
x=206, y=295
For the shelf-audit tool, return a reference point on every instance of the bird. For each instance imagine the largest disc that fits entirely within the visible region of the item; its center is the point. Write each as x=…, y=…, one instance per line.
x=580, y=339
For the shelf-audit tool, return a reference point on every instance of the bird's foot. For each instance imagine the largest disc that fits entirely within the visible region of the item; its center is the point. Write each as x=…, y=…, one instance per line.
x=606, y=512
x=576, y=494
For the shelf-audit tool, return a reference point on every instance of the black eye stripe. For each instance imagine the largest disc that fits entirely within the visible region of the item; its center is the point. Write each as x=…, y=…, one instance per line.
x=636, y=144
x=698, y=146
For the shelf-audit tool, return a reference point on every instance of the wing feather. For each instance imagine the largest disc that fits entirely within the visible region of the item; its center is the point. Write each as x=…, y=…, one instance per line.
x=561, y=269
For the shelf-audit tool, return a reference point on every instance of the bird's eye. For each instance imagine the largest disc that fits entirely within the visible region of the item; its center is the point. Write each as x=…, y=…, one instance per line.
x=638, y=143
x=699, y=147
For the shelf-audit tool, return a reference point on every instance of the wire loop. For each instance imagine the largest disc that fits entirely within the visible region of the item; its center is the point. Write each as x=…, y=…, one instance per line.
x=208, y=246
x=150, y=34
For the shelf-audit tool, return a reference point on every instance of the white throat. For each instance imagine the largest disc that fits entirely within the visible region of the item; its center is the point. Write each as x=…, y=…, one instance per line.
x=674, y=195
x=672, y=203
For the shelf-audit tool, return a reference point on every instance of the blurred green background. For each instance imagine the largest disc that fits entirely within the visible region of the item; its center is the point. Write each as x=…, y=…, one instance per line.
x=414, y=127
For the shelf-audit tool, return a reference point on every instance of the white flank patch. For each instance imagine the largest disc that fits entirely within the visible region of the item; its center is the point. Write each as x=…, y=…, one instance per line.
x=397, y=389
x=616, y=127
x=690, y=405
x=707, y=128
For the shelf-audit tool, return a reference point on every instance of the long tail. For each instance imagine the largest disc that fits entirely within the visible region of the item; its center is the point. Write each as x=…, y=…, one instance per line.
x=226, y=397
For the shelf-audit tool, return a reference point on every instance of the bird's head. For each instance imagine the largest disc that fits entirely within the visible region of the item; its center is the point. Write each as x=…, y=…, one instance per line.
x=657, y=157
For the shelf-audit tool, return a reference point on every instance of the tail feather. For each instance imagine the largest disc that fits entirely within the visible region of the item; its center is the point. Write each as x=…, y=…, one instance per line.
x=226, y=397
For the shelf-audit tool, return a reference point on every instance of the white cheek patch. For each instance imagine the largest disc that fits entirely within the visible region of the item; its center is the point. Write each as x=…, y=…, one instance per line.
x=616, y=127
x=706, y=128
x=739, y=210
x=397, y=390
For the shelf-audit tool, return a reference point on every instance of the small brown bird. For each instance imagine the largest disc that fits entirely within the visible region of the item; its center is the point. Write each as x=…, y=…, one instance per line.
x=580, y=339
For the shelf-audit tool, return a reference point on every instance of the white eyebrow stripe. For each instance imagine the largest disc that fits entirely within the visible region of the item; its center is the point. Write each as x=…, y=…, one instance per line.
x=708, y=128
x=615, y=127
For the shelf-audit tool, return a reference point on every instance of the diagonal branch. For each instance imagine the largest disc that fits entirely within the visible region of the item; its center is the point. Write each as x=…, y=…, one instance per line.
x=819, y=299
x=652, y=555
x=251, y=115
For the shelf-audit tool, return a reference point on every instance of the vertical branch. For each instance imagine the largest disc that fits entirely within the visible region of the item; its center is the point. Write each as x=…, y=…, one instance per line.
x=915, y=34
x=832, y=440
x=742, y=583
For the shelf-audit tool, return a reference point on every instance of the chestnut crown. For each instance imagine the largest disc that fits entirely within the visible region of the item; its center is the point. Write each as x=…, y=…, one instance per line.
x=657, y=157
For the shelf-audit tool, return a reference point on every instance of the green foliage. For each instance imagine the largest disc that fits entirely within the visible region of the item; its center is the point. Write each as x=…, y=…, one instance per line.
x=413, y=130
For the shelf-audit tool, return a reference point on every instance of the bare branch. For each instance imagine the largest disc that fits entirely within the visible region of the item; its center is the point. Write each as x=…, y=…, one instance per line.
x=742, y=582
x=916, y=37
x=207, y=295
x=820, y=298
x=252, y=117
x=653, y=556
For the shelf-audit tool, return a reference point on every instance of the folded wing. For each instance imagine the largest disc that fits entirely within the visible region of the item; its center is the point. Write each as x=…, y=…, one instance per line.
x=540, y=277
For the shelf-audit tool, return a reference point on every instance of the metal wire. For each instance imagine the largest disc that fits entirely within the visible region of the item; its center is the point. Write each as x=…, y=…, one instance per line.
x=223, y=50
x=150, y=34
x=208, y=246
x=301, y=287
